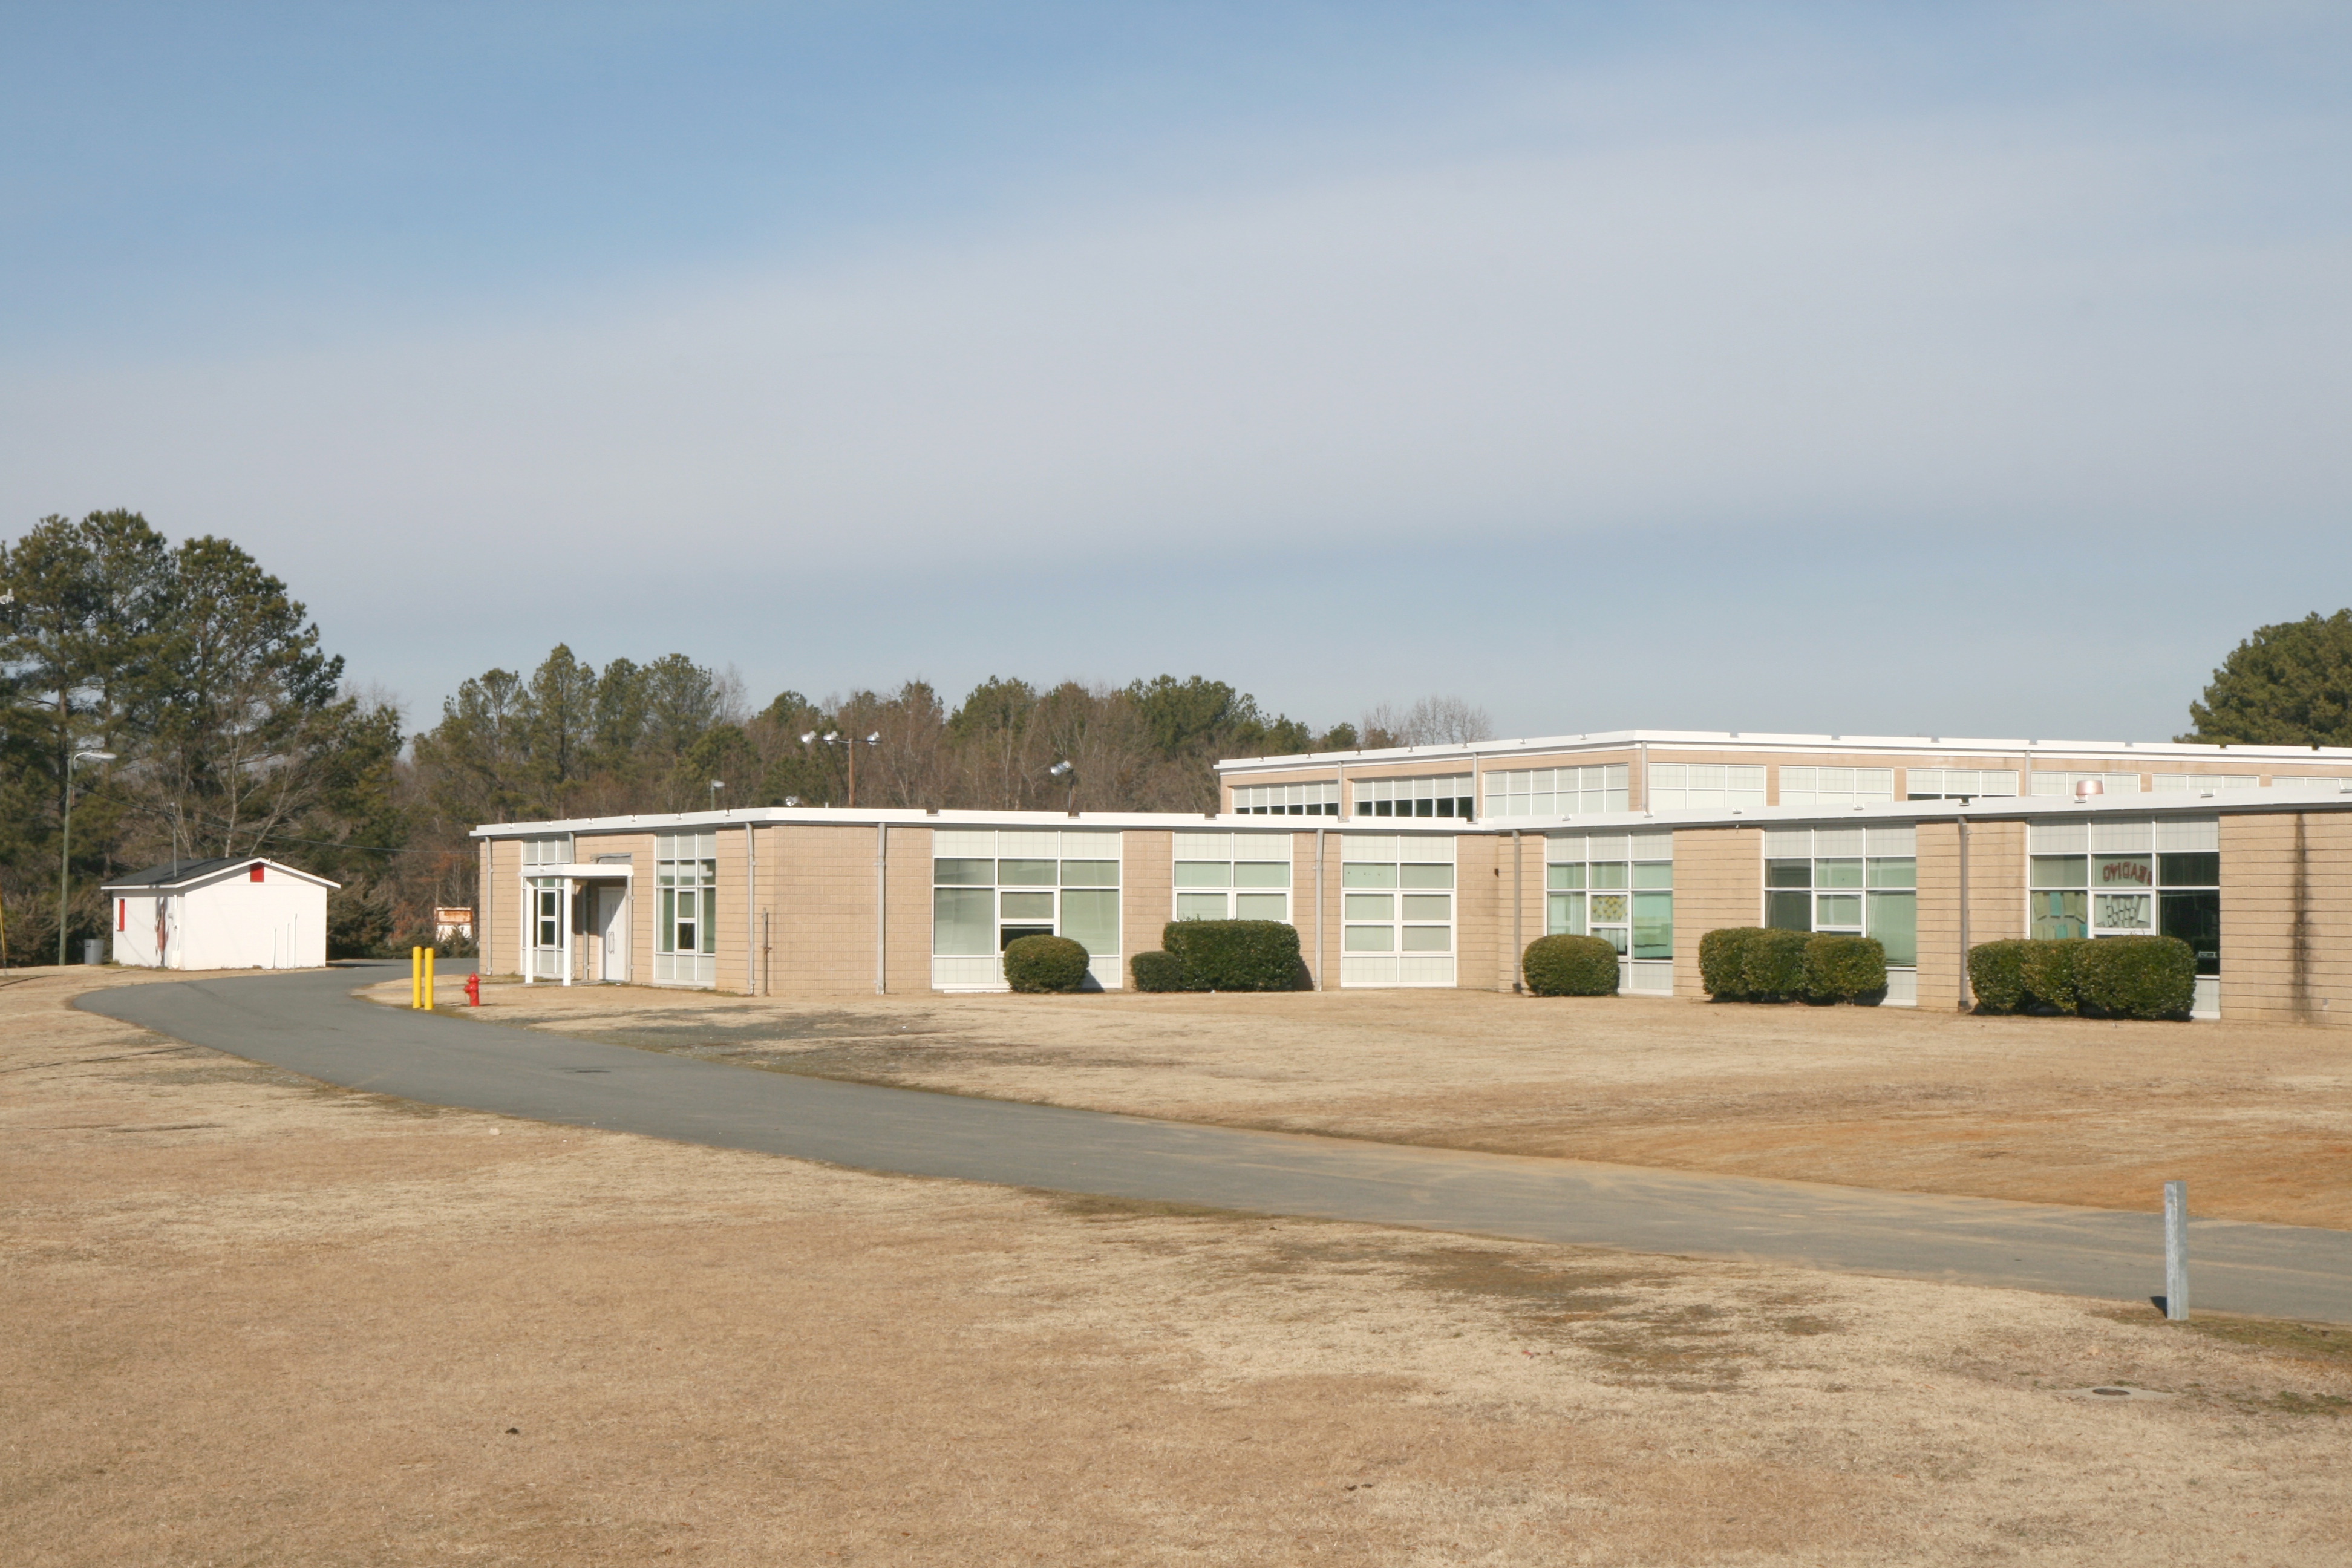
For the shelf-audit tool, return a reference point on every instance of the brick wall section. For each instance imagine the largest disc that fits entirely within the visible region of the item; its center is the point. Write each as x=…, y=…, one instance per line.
x=908, y=960
x=496, y=901
x=1508, y=949
x=822, y=928
x=1996, y=881
x=2286, y=918
x=1940, y=913
x=1718, y=882
x=1147, y=895
x=1482, y=911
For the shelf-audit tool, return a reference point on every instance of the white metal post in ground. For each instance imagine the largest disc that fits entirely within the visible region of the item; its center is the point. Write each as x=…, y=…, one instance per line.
x=2176, y=1251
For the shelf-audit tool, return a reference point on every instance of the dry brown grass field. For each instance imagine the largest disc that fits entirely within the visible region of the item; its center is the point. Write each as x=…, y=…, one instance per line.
x=257, y=1320
x=2256, y=1118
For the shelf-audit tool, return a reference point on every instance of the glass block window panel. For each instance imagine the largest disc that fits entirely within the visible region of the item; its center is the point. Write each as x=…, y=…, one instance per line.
x=1250, y=870
x=1818, y=787
x=2187, y=833
x=1445, y=794
x=552, y=851
x=2201, y=783
x=2061, y=784
x=1558, y=792
x=1287, y=800
x=1954, y=784
x=2058, y=839
x=1676, y=786
x=1402, y=903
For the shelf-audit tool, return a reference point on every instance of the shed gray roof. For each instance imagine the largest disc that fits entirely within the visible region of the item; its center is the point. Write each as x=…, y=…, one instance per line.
x=179, y=873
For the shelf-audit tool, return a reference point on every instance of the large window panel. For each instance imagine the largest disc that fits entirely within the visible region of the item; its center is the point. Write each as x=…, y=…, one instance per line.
x=1895, y=921
x=1654, y=925
x=963, y=921
x=1090, y=917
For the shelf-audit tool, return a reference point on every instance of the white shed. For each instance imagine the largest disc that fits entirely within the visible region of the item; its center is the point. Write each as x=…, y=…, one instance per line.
x=246, y=913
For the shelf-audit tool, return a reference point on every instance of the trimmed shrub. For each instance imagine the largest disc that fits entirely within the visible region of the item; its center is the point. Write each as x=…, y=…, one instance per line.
x=1844, y=968
x=1723, y=960
x=2048, y=967
x=1570, y=966
x=1233, y=955
x=1156, y=972
x=1040, y=964
x=1997, y=975
x=1774, y=969
x=2137, y=976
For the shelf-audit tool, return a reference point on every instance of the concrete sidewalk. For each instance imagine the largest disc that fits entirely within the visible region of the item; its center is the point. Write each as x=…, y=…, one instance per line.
x=312, y=1024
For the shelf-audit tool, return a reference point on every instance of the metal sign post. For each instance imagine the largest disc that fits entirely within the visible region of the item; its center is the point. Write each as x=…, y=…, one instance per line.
x=2176, y=1251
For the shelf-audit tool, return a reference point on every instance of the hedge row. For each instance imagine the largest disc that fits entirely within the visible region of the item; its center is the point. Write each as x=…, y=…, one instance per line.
x=1570, y=966
x=1761, y=964
x=1044, y=963
x=1221, y=955
x=2108, y=977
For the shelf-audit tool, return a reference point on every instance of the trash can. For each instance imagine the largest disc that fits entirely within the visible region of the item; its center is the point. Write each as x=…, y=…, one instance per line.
x=93, y=949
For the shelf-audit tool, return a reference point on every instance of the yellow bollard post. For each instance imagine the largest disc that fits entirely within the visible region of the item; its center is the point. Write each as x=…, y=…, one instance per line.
x=429, y=956
x=415, y=968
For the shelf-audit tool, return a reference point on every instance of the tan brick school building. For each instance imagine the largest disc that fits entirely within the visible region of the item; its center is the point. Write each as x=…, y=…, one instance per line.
x=1435, y=865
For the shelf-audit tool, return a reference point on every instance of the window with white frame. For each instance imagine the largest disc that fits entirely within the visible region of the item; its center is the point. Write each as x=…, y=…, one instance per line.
x=1446, y=794
x=1396, y=910
x=1958, y=784
x=989, y=888
x=2129, y=878
x=1820, y=787
x=2197, y=784
x=686, y=894
x=1859, y=880
x=1677, y=787
x=555, y=850
x=1557, y=792
x=1619, y=887
x=546, y=926
x=2062, y=784
x=1232, y=875
x=1287, y=800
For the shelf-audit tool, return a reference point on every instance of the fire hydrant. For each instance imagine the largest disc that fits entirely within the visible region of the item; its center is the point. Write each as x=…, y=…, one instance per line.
x=473, y=991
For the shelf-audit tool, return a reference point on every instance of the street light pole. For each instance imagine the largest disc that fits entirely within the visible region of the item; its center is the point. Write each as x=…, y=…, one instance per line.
x=835, y=738
x=65, y=843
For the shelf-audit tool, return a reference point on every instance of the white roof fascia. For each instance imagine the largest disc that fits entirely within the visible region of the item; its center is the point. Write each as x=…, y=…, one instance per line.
x=1755, y=740
x=2318, y=794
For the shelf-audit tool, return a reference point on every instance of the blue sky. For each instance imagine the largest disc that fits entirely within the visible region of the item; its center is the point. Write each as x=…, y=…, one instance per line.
x=1852, y=368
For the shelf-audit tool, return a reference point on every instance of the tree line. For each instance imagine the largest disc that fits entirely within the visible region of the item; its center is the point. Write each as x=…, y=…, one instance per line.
x=181, y=702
